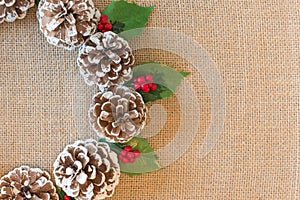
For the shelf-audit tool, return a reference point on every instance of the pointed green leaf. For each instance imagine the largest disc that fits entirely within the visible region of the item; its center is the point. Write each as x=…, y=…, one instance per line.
x=127, y=16
x=185, y=74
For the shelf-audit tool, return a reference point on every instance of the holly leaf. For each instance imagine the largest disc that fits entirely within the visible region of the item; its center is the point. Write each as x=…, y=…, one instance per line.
x=118, y=27
x=166, y=78
x=184, y=73
x=127, y=16
x=147, y=162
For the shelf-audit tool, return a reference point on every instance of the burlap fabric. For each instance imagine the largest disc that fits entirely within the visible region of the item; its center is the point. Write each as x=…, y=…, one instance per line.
x=255, y=46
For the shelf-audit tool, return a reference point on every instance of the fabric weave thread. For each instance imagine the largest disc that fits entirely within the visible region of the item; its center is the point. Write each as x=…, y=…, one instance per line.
x=255, y=45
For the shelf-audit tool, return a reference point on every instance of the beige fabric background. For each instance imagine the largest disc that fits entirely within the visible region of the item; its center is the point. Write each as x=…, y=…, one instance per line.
x=254, y=44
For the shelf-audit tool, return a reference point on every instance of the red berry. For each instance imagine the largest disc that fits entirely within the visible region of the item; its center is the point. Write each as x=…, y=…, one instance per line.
x=141, y=80
x=145, y=88
x=100, y=26
x=136, y=153
x=153, y=86
x=103, y=31
x=125, y=160
x=128, y=148
x=130, y=155
x=123, y=153
x=137, y=86
x=67, y=197
x=108, y=26
x=131, y=160
x=149, y=78
x=103, y=18
x=135, y=80
x=103, y=21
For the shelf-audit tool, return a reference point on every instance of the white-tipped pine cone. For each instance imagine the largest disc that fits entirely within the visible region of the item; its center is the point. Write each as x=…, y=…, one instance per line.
x=27, y=183
x=10, y=10
x=87, y=170
x=67, y=23
x=105, y=59
x=118, y=114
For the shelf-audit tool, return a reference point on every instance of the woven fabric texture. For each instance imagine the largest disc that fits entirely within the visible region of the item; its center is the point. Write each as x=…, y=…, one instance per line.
x=255, y=47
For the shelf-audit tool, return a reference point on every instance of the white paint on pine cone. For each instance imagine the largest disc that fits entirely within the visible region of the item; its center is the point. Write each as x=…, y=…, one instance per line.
x=98, y=167
x=56, y=17
x=9, y=9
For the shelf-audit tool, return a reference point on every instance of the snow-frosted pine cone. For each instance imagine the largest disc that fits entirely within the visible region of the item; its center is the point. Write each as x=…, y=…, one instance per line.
x=118, y=114
x=27, y=183
x=105, y=59
x=67, y=23
x=87, y=170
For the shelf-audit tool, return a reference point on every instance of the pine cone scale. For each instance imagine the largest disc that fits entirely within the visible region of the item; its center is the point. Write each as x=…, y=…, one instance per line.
x=41, y=196
x=99, y=179
x=100, y=123
x=9, y=3
x=17, y=186
x=36, y=187
x=115, y=131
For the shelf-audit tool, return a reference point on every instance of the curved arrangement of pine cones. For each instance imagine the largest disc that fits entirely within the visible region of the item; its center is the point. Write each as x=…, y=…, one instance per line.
x=85, y=169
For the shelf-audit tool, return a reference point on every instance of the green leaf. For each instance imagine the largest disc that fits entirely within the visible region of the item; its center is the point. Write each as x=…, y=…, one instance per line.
x=127, y=16
x=185, y=74
x=166, y=78
x=37, y=2
x=147, y=162
x=118, y=27
x=60, y=193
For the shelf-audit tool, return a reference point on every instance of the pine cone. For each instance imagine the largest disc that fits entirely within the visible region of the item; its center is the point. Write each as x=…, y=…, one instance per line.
x=10, y=10
x=105, y=59
x=118, y=114
x=67, y=23
x=87, y=170
x=27, y=183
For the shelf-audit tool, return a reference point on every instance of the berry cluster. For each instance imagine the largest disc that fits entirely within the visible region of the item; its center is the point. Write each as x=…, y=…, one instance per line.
x=127, y=155
x=104, y=25
x=66, y=197
x=145, y=83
